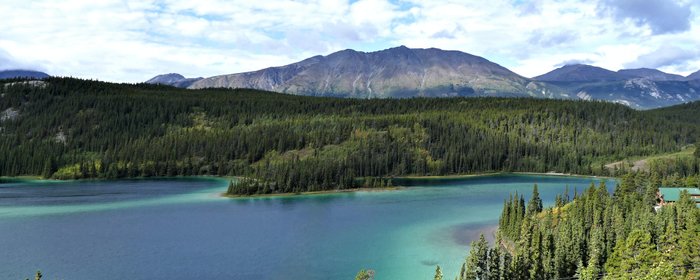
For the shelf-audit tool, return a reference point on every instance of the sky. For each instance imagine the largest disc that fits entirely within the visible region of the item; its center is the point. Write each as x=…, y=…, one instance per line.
x=132, y=41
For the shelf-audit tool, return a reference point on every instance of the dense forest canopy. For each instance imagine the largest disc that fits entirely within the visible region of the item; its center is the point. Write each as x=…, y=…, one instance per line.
x=70, y=128
x=593, y=235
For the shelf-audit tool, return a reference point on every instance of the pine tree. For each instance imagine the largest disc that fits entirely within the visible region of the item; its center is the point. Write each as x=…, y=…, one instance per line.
x=470, y=268
x=534, y=206
x=506, y=267
x=438, y=273
x=494, y=263
x=482, y=254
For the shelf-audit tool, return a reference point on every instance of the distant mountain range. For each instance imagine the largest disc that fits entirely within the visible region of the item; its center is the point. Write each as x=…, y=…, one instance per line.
x=402, y=72
x=173, y=79
x=638, y=88
x=11, y=74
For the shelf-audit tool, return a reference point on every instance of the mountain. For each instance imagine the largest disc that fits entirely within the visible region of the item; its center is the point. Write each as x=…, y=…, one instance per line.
x=404, y=72
x=637, y=88
x=173, y=79
x=397, y=72
x=638, y=93
x=10, y=74
x=651, y=74
x=694, y=76
x=580, y=73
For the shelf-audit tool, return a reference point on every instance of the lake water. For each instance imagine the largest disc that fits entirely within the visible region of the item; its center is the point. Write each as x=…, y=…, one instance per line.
x=182, y=229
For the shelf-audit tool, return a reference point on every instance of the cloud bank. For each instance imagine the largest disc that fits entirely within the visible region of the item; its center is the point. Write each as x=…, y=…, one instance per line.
x=131, y=41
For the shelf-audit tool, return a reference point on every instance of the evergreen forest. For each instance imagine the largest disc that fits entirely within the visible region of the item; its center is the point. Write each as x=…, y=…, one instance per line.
x=66, y=128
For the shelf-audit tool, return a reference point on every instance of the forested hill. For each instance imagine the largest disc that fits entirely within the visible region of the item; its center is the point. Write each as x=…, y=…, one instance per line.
x=594, y=235
x=69, y=128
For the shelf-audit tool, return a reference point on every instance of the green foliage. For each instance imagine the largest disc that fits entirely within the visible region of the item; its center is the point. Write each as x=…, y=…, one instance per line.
x=248, y=186
x=534, y=206
x=637, y=255
x=438, y=273
x=74, y=129
x=365, y=274
x=598, y=235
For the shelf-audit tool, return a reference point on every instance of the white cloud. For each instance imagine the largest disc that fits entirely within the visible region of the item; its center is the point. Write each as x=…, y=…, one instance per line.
x=133, y=40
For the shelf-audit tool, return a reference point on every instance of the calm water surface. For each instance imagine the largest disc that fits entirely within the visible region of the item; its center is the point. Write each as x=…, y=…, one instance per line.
x=181, y=229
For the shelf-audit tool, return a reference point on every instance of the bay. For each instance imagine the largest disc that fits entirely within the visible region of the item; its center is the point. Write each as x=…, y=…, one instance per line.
x=182, y=229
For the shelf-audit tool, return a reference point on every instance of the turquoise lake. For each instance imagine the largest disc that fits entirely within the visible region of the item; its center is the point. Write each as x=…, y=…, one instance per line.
x=183, y=229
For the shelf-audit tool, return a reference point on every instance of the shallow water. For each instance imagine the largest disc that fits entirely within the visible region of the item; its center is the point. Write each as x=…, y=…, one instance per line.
x=180, y=229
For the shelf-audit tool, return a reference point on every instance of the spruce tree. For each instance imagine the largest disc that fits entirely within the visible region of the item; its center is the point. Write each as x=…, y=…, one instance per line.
x=534, y=206
x=470, y=268
x=438, y=273
x=482, y=258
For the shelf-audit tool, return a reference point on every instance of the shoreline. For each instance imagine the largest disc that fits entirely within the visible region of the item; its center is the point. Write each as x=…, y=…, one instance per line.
x=461, y=176
x=312, y=193
x=396, y=188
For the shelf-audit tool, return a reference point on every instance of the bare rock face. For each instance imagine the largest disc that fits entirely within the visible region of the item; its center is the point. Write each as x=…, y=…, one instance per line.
x=392, y=73
x=9, y=114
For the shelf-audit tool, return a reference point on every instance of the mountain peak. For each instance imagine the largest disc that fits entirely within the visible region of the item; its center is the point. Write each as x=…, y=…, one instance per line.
x=398, y=48
x=395, y=72
x=21, y=73
x=165, y=78
x=173, y=79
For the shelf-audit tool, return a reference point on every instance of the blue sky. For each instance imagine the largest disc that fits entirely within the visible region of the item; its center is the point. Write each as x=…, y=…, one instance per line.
x=131, y=41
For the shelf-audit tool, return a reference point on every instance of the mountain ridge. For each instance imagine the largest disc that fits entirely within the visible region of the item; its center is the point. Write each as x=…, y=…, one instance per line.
x=395, y=72
x=403, y=72
x=579, y=73
x=651, y=74
x=22, y=73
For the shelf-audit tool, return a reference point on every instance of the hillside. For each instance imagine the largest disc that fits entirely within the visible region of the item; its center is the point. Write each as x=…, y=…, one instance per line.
x=70, y=128
x=646, y=164
x=594, y=234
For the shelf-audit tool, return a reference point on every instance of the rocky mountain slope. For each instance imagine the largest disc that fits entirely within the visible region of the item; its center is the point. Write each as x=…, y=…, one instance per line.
x=403, y=72
x=637, y=88
x=396, y=72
